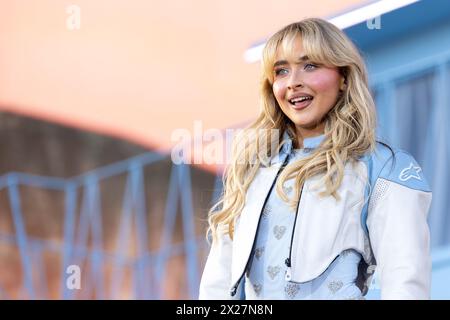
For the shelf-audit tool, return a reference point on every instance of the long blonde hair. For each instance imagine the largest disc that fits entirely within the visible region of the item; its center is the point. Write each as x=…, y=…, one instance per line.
x=349, y=126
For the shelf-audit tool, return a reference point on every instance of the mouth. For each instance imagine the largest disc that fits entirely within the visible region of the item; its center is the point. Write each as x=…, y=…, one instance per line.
x=301, y=102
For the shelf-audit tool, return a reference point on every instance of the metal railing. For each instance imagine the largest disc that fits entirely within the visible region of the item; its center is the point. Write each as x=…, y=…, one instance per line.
x=148, y=268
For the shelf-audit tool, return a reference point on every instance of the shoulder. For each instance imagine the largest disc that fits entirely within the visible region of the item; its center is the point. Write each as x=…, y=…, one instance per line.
x=397, y=166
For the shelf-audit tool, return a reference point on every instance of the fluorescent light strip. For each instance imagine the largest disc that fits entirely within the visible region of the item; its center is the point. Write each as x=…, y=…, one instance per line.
x=368, y=12
x=344, y=21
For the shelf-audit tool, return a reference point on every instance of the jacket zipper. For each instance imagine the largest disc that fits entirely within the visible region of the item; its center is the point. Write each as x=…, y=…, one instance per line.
x=234, y=288
x=288, y=260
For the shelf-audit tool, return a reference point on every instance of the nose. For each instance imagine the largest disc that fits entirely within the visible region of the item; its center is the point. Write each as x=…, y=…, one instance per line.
x=295, y=79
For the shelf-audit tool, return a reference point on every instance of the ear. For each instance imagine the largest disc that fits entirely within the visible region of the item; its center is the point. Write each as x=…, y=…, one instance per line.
x=343, y=84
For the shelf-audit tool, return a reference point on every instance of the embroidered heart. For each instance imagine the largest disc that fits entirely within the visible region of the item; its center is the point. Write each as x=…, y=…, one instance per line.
x=334, y=286
x=292, y=289
x=259, y=252
x=279, y=231
x=257, y=288
x=287, y=190
x=273, y=271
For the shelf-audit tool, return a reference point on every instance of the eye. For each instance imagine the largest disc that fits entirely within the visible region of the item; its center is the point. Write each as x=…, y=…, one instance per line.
x=279, y=71
x=310, y=66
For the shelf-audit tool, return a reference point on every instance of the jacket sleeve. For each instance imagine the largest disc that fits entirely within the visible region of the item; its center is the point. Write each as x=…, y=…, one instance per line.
x=215, y=283
x=398, y=229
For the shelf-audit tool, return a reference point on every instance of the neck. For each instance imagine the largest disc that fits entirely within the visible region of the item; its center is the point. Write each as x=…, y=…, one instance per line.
x=303, y=133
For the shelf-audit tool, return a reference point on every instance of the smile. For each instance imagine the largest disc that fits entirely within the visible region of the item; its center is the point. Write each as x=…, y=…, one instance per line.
x=300, y=102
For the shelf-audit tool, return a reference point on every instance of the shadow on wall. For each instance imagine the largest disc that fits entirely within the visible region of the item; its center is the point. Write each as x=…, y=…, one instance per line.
x=36, y=147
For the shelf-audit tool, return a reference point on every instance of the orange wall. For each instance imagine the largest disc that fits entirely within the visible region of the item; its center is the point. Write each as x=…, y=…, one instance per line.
x=139, y=69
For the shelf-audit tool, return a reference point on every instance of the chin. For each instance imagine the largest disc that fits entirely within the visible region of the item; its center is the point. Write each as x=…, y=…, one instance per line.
x=303, y=124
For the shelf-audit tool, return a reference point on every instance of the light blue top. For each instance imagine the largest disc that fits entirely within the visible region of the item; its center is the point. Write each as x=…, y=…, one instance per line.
x=265, y=276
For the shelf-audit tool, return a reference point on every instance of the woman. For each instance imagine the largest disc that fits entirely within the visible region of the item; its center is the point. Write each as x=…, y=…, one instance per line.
x=331, y=203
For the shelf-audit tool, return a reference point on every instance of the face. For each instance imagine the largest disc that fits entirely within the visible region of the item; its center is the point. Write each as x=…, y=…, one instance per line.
x=306, y=91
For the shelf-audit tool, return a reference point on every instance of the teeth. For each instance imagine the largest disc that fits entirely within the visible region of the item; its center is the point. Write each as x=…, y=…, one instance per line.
x=300, y=99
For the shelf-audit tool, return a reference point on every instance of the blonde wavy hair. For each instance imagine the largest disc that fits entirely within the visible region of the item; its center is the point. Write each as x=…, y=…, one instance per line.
x=349, y=126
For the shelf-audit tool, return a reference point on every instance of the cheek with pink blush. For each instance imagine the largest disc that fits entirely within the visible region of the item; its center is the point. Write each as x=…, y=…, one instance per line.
x=323, y=81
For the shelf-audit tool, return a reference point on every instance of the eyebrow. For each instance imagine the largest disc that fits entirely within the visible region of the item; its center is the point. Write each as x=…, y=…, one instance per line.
x=284, y=62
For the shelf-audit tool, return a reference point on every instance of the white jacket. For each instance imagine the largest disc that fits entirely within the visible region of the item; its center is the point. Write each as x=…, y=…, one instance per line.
x=382, y=213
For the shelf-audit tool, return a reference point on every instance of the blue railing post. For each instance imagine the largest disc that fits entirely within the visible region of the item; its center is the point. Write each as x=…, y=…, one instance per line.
x=95, y=214
x=70, y=203
x=138, y=192
x=91, y=216
x=122, y=241
x=166, y=236
x=21, y=235
x=190, y=241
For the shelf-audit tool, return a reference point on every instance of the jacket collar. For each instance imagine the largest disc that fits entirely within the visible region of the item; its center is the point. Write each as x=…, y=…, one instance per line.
x=309, y=144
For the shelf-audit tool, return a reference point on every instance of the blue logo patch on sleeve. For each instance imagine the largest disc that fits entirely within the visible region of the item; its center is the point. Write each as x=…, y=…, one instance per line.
x=404, y=170
x=410, y=172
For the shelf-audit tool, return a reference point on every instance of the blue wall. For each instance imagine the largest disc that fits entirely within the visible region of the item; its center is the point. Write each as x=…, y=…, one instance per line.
x=413, y=44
